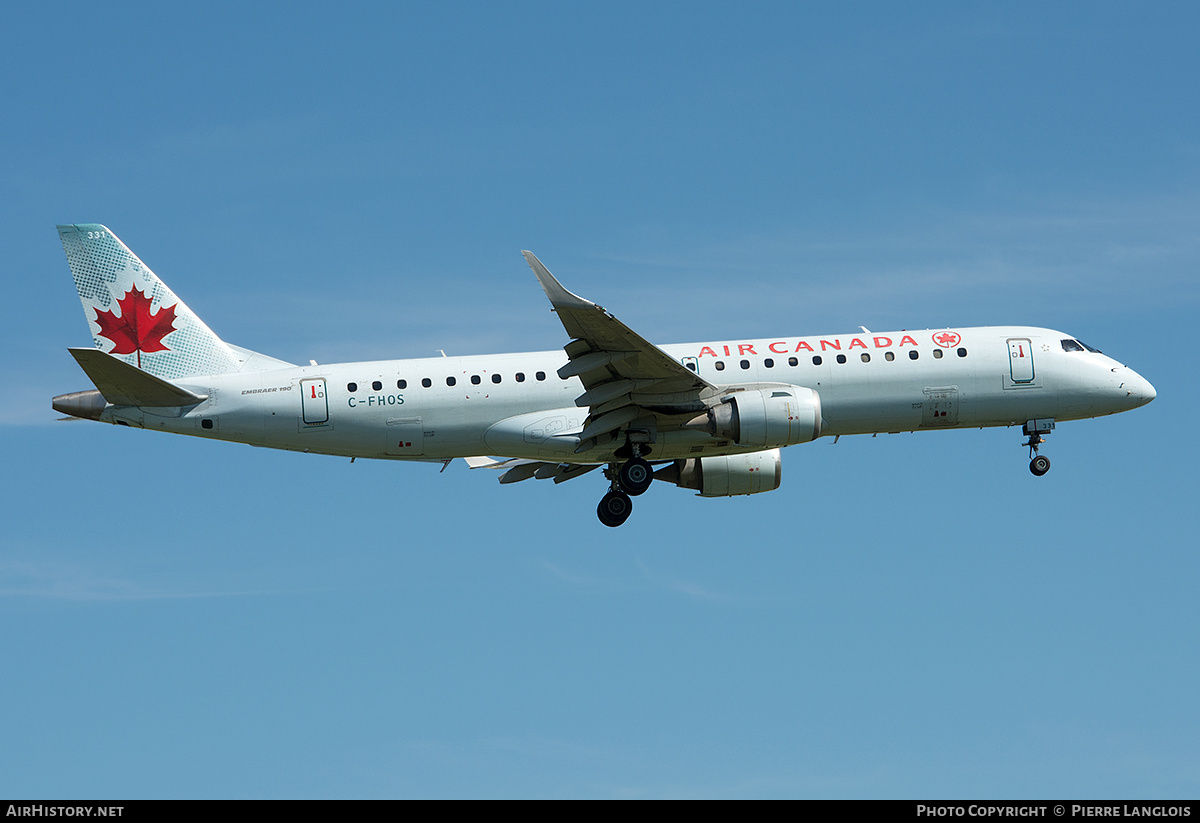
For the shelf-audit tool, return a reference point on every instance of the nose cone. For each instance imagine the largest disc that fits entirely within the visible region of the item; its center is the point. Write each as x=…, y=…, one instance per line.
x=1133, y=388
x=1139, y=388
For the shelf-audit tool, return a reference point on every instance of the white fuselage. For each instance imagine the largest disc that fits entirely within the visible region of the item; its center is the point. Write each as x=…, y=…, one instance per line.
x=516, y=405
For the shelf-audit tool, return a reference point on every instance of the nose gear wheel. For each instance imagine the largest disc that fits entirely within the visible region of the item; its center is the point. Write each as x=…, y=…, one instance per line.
x=1038, y=464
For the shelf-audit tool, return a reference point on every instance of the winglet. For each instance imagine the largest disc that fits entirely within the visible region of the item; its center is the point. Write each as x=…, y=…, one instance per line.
x=558, y=295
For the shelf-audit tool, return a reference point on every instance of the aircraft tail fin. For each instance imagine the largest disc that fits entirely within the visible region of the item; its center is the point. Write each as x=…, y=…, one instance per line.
x=132, y=314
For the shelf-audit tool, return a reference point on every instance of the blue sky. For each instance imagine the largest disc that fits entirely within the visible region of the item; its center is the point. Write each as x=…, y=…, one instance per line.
x=908, y=616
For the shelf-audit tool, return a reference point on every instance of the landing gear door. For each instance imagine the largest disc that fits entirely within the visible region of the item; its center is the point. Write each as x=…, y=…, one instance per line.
x=314, y=403
x=1020, y=360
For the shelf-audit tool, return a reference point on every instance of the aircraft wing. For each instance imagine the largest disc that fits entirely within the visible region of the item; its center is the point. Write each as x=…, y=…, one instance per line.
x=626, y=378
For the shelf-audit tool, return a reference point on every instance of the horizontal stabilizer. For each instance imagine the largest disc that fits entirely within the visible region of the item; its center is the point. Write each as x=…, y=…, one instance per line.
x=126, y=385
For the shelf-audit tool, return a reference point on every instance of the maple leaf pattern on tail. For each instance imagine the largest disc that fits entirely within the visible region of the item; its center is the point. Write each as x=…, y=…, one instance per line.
x=136, y=330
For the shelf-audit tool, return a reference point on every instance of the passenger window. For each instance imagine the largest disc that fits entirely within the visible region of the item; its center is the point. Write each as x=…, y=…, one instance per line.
x=962, y=352
x=745, y=364
x=496, y=378
x=540, y=375
x=769, y=363
x=475, y=380
x=816, y=359
x=426, y=382
x=792, y=361
x=351, y=387
x=937, y=354
x=377, y=386
x=450, y=381
x=913, y=354
x=866, y=358
x=520, y=377
x=402, y=384
x=720, y=365
x=691, y=366
x=841, y=358
x=889, y=356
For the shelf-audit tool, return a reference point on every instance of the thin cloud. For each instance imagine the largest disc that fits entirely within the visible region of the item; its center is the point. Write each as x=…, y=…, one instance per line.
x=687, y=587
x=29, y=405
x=578, y=579
x=56, y=581
x=646, y=577
x=904, y=262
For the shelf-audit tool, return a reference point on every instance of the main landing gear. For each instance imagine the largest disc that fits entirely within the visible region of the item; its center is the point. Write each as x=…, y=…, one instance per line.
x=615, y=508
x=1034, y=429
x=627, y=480
x=635, y=476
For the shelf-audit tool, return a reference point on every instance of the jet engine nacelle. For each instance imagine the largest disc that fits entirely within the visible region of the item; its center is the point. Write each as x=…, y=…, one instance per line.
x=728, y=475
x=765, y=418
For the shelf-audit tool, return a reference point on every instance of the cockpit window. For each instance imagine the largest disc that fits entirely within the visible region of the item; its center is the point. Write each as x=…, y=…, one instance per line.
x=1078, y=345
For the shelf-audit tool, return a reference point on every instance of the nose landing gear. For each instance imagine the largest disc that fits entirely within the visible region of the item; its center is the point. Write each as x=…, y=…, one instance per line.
x=1034, y=429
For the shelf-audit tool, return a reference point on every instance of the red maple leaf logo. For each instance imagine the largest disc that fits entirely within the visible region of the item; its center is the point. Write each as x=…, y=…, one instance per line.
x=136, y=330
x=946, y=339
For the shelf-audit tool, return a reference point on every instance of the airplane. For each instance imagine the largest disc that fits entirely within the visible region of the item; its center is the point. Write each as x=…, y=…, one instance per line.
x=711, y=417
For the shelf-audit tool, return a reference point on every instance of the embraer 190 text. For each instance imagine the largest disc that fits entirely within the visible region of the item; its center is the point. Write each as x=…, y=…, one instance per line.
x=705, y=416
